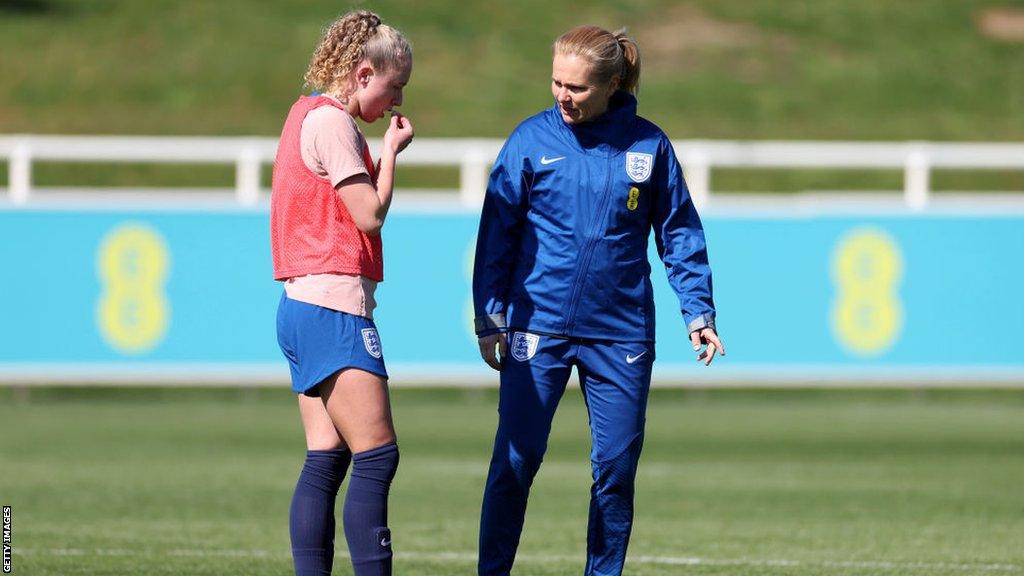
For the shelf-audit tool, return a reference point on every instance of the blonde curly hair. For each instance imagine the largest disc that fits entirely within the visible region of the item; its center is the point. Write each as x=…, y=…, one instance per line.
x=347, y=41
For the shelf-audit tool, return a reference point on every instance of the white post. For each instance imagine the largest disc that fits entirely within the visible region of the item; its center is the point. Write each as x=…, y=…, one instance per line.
x=915, y=180
x=697, y=171
x=20, y=173
x=247, y=176
x=473, y=178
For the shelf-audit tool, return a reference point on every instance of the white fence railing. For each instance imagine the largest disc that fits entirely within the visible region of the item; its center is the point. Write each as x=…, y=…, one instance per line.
x=473, y=157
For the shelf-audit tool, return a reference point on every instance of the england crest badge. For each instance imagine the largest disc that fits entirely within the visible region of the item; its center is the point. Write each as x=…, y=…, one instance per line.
x=639, y=165
x=372, y=342
x=524, y=346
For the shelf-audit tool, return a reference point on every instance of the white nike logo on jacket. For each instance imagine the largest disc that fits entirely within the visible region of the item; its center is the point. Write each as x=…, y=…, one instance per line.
x=545, y=160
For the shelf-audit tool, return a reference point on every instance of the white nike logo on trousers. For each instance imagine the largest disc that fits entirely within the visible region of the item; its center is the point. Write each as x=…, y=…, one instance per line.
x=545, y=160
x=630, y=358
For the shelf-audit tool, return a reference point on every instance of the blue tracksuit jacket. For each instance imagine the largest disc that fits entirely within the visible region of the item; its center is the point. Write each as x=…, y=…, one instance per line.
x=562, y=246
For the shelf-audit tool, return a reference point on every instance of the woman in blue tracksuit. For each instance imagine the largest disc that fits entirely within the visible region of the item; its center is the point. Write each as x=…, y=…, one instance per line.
x=561, y=279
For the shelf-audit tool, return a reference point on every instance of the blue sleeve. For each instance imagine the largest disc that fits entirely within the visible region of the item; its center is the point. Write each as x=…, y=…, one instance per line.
x=679, y=236
x=497, y=243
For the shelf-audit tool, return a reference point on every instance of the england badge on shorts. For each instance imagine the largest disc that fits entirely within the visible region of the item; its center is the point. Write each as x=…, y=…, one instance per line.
x=372, y=342
x=639, y=165
x=524, y=346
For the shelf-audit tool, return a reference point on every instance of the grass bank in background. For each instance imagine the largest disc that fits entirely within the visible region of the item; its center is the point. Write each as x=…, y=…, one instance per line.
x=770, y=69
x=844, y=69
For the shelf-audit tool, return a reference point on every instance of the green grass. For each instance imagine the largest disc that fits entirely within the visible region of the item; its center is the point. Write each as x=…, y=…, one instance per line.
x=761, y=69
x=154, y=482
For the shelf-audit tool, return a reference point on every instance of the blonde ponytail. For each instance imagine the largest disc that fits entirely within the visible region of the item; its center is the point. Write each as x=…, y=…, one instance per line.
x=630, y=79
x=611, y=54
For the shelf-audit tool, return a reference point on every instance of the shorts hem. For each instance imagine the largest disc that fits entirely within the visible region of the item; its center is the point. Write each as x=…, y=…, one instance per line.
x=305, y=389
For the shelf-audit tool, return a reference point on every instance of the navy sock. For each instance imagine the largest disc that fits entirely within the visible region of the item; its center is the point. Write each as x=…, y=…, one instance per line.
x=366, y=510
x=311, y=519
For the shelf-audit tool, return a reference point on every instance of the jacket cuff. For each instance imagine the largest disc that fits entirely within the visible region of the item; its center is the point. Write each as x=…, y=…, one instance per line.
x=706, y=320
x=489, y=323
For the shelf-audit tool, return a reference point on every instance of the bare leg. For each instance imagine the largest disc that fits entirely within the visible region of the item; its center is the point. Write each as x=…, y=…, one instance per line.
x=320, y=431
x=311, y=516
x=360, y=409
x=358, y=405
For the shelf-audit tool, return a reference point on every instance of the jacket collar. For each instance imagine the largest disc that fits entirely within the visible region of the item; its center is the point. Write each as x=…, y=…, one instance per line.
x=609, y=130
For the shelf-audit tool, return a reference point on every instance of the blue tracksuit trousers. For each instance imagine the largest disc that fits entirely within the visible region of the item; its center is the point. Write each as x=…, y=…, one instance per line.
x=615, y=377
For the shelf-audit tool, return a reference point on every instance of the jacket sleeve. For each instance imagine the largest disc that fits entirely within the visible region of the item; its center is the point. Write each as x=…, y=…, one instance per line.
x=497, y=243
x=679, y=236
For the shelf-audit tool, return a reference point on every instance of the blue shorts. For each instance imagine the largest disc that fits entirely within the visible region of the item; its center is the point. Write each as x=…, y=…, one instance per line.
x=318, y=342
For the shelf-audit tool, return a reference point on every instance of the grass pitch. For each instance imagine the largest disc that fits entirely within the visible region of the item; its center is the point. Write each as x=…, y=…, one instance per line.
x=154, y=482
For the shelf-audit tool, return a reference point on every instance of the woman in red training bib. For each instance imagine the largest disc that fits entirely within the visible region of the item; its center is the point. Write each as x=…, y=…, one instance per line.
x=328, y=203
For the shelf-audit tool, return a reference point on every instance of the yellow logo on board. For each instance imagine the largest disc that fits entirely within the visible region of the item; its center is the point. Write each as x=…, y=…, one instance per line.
x=867, y=313
x=133, y=313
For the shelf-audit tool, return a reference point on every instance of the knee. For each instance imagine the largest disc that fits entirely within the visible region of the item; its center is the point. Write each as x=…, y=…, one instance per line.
x=324, y=470
x=372, y=439
x=617, y=471
x=377, y=465
x=518, y=452
x=518, y=460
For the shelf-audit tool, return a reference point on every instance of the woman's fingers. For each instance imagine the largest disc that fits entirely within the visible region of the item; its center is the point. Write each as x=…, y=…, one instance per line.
x=502, y=348
x=713, y=338
x=708, y=354
x=403, y=121
x=489, y=345
x=400, y=132
x=487, y=351
x=708, y=336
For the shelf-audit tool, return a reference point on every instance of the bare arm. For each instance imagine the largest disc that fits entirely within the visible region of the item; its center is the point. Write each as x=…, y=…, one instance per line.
x=369, y=204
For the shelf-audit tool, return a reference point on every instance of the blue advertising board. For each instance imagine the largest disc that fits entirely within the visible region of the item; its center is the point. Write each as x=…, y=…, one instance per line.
x=188, y=295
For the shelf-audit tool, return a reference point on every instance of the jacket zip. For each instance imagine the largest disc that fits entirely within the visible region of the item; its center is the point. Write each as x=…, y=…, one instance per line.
x=588, y=250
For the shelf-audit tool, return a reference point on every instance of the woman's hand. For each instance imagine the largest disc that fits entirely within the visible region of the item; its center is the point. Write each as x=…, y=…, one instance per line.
x=399, y=133
x=487, y=346
x=706, y=336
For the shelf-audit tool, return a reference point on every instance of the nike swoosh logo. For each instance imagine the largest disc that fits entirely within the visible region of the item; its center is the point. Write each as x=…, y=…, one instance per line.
x=630, y=358
x=385, y=543
x=545, y=160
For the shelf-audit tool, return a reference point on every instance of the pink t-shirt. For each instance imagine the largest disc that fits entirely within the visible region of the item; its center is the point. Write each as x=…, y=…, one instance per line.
x=332, y=147
x=342, y=292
